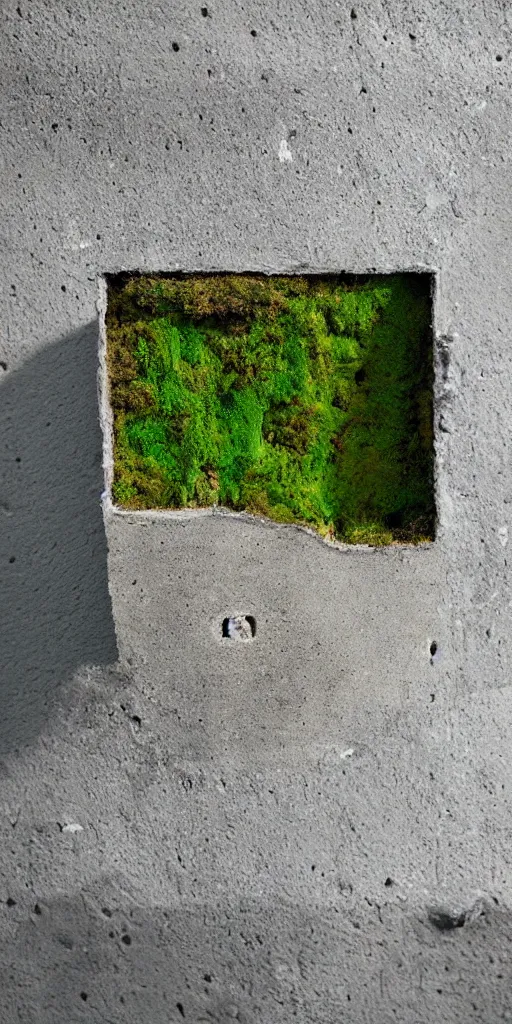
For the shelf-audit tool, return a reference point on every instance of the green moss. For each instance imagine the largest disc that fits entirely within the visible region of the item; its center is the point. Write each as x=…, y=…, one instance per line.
x=305, y=399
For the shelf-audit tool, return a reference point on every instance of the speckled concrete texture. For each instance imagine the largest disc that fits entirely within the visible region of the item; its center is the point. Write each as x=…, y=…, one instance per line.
x=314, y=825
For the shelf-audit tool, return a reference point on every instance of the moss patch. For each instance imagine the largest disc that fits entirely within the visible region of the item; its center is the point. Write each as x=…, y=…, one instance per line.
x=305, y=399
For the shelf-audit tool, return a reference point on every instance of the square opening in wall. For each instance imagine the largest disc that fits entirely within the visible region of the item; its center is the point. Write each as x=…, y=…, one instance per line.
x=305, y=399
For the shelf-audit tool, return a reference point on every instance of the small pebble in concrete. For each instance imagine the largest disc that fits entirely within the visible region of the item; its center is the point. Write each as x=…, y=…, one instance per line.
x=239, y=627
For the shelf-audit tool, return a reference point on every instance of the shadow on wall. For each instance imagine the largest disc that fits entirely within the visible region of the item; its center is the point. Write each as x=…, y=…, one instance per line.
x=53, y=554
x=98, y=956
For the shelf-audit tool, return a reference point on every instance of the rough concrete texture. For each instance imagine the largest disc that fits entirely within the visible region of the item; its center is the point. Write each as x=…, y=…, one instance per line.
x=286, y=828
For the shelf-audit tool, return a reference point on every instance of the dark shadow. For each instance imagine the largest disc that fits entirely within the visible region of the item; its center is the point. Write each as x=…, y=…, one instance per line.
x=56, y=611
x=100, y=956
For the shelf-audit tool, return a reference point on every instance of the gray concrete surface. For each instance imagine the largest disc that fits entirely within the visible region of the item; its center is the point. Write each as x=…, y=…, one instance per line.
x=316, y=825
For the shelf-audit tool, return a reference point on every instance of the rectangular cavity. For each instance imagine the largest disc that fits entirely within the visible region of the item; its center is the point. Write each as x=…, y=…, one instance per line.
x=306, y=399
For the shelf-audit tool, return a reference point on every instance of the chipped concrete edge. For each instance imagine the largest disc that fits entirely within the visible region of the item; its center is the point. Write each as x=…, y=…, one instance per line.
x=105, y=407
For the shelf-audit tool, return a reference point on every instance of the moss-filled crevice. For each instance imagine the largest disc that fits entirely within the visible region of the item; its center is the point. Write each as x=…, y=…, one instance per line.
x=305, y=399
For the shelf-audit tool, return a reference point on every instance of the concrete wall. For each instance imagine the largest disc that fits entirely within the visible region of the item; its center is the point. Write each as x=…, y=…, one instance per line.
x=284, y=830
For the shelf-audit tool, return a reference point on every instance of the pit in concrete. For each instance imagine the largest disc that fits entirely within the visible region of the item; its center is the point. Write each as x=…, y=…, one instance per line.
x=304, y=399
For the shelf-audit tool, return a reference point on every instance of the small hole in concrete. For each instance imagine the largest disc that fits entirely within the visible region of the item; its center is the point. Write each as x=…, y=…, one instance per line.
x=10, y=902
x=126, y=939
x=499, y=57
x=106, y=912
x=254, y=33
x=3, y=365
x=179, y=1007
x=37, y=910
x=388, y=882
x=433, y=649
x=208, y=978
x=239, y=627
x=175, y=47
x=204, y=12
x=83, y=995
x=353, y=14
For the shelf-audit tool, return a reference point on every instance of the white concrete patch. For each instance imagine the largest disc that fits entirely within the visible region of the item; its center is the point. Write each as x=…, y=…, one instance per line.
x=284, y=154
x=75, y=242
x=346, y=753
x=73, y=827
x=503, y=535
